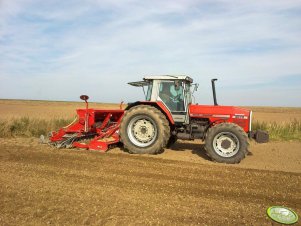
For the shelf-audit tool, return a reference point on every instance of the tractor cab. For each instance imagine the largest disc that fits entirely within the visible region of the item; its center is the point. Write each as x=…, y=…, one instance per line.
x=173, y=91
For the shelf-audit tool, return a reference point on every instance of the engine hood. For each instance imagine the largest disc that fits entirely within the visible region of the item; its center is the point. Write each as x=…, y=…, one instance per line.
x=216, y=114
x=211, y=110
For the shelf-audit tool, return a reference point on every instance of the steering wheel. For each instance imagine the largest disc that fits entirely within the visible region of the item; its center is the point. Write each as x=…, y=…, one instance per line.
x=175, y=98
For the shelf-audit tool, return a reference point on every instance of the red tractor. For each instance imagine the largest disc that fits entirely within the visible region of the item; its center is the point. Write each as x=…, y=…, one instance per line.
x=167, y=114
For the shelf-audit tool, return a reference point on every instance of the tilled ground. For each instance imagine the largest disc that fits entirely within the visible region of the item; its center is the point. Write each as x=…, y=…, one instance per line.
x=40, y=185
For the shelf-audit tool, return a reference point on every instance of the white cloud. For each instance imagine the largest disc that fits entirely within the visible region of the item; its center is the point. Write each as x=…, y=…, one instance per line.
x=71, y=47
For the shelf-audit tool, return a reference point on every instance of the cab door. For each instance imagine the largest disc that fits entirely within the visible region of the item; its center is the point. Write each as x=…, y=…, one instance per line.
x=173, y=95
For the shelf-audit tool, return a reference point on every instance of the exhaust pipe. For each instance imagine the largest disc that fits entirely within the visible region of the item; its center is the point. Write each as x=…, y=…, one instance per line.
x=213, y=90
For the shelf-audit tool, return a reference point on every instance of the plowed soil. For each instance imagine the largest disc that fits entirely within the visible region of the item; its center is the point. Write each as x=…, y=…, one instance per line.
x=40, y=185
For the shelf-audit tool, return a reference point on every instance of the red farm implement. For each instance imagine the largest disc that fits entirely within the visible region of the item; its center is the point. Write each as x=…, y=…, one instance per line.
x=93, y=129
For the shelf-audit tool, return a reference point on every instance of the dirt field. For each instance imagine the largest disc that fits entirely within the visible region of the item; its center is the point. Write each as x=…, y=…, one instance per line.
x=40, y=185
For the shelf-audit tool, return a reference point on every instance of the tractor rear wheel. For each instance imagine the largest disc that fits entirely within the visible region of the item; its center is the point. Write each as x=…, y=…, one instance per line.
x=226, y=143
x=144, y=130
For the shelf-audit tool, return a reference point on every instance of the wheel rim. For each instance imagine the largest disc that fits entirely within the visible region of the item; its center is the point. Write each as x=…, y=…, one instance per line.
x=142, y=131
x=226, y=144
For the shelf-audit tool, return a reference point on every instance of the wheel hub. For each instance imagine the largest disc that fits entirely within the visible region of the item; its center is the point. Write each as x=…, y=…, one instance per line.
x=142, y=131
x=226, y=144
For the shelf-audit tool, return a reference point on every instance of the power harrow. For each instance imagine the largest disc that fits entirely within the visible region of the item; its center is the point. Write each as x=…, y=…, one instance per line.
x=92, y=129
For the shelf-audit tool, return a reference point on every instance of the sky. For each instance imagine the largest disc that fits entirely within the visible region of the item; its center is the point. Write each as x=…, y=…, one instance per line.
x=58, y=50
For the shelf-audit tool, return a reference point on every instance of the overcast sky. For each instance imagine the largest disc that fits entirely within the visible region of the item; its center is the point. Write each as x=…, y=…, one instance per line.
x=58, y=50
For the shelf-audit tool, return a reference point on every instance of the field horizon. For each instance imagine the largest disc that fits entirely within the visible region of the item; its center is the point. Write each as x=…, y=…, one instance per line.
x=257, y=108
x=118, y=103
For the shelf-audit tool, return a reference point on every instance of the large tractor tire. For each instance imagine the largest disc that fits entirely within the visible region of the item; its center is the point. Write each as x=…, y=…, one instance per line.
x=144, y=130
x=226, y=143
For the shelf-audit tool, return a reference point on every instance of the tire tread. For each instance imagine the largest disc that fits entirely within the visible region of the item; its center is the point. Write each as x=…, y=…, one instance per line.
x=244, y=144
x=158, y=147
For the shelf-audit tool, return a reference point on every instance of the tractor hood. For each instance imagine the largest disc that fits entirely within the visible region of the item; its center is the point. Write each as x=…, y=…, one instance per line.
x=211, y=110
x=240, y=116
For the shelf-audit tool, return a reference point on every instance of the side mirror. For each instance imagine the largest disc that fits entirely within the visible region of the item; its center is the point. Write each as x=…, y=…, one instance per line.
x=196, y=86
x=84, y=97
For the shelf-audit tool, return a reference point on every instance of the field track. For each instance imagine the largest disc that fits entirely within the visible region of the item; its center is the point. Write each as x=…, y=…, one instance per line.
x=41, y=185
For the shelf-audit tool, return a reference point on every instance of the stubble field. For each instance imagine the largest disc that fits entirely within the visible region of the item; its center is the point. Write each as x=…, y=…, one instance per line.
x=40, y=185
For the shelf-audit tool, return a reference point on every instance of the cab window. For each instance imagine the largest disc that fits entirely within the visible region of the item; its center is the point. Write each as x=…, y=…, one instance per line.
x=172, y=95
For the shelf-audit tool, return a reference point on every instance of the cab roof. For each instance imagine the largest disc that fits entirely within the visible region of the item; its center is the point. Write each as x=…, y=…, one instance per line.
x=147, y=79
x=168, y=77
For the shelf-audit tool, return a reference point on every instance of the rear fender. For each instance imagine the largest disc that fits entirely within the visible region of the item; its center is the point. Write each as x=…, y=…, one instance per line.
x=159, y=105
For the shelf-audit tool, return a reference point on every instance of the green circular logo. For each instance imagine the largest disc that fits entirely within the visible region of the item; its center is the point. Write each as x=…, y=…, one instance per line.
x=282, y=215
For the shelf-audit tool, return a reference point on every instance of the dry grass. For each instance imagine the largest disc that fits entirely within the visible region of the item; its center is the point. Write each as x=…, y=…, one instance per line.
x=30, y=127
x=280, y=130
x=34, y=127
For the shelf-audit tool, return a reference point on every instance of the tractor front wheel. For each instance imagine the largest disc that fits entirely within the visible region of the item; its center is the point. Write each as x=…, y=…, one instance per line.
x=144, y=130
x=226, y=143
